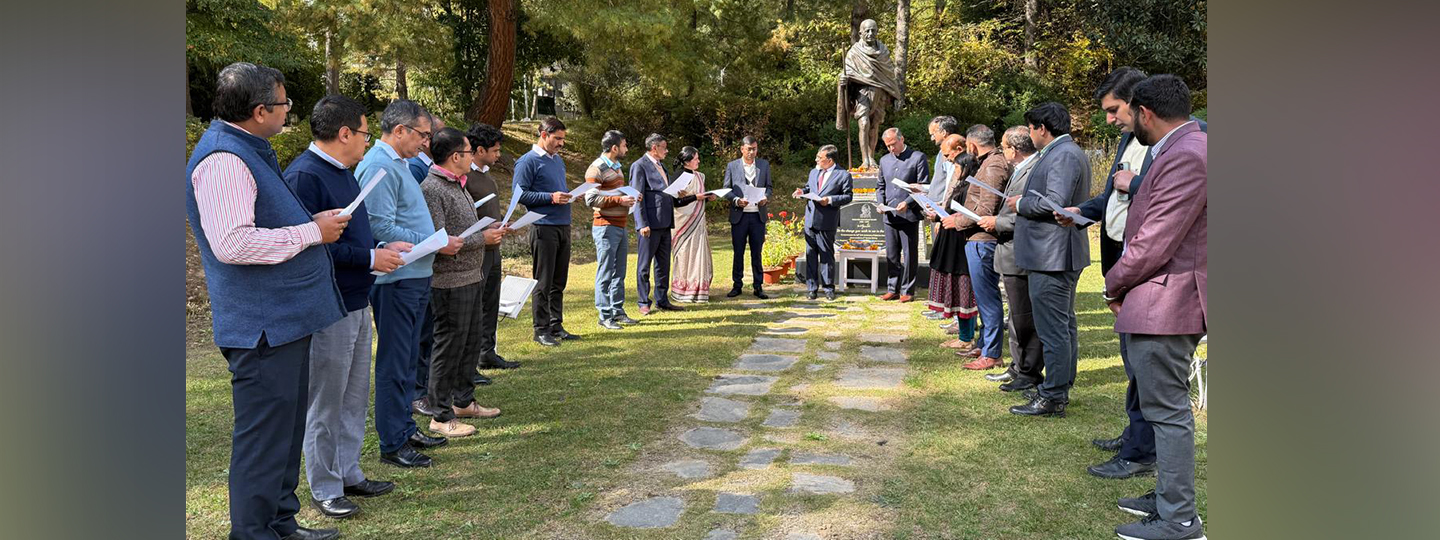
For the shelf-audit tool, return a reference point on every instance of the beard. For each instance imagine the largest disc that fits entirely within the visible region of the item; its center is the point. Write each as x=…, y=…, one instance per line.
x=1143, y=135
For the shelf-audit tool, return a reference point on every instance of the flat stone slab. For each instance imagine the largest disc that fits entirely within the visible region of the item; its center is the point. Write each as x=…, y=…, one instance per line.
x=828, y=355
x=802, y=458
x=719, y=409
x=833, y=345
x=652, y=513
x=785, y=330
x=745, y=385
x=889, y=355
x=882, y=338
x=814, y=367
x=710, y=438
x=859, y=403
x=782, y=418
x=688, y=469
x=765, y=362
x=870, y=378
x=819, y=484
x=778, y=344
x=736, y=503
x=721, y=534
x=752, y=305
x=759, y=458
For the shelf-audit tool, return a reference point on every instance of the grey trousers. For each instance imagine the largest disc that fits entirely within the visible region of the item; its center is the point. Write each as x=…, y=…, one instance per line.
x=1052, y=299
x=1162, y=379
x=338, y=402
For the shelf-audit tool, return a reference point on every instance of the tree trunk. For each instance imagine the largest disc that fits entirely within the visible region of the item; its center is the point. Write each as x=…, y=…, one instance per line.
x=902, y=42
x=939, y=13
x=494, y=97
x=332, y=63
x=1030, y=8
x=789, y=9
x=585, y=98
x=402, y=88
x=859, y=11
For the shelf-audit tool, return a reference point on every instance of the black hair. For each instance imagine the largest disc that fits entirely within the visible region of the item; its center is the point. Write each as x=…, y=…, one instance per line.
x=981, y=135
x=686, y=154
x=831, y=152
x=446, y=143
x=1165, y=95
x=483, y=136
x=1050, y=115
x=401, y=112
x=946, y=124
x=333, y=112
x=1119, y=83
x=748, y=139
x=241, y=86
x=966, y=164
x=551, y=125
x=611, y=139
x=653, y=139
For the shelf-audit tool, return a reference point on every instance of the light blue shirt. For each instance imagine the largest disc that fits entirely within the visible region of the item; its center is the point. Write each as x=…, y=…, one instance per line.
x=316, y=149
x=1155, y=150
x=397, y=208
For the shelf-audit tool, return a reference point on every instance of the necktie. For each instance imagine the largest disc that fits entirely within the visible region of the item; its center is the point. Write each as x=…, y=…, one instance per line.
x=820, y=186
x=663, y=176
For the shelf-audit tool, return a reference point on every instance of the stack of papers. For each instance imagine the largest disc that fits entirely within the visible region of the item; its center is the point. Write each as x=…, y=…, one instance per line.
x=753, y=194
x=425, y=247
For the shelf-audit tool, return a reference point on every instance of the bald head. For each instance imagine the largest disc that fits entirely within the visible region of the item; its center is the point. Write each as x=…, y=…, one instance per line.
x=952, y=146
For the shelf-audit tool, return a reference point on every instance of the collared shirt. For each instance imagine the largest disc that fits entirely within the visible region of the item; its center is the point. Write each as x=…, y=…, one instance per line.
x=609, y=163
x=1052, y=143
x=426, y=159
x=1116, y=207
x=1021, y=165
x=475, y=167
x=752, y=171
x=1155, y=150
x=447, y=174
x=331, y=160
x=225, y=193
x=820, y=181
x=540, y=151
x=658, y=167
x=388, y=150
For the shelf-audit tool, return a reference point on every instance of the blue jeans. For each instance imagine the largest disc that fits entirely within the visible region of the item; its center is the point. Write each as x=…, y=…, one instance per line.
x=611, y=244
x=980, y=256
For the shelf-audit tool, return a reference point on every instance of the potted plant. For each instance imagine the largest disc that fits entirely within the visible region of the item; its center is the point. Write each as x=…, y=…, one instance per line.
x=783, y=245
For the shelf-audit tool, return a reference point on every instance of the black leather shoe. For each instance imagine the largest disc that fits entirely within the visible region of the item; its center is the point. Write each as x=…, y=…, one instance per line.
x=420, y=440
x=561, y=334
x=625, y=319
x=338, y=508
x=667, y=306
x=733, y=293
x=609, y=324
x=313, y=534
x=1017, y=385
x=1040, y=407
x=369, y=488
x=1002, y=377
x=495, y=361
x=812, y=295
x=830, y=296
x=406, y=457
x=761, y=294
x=480, y=380
x=547, y=340
x=419, y=406
x=1118, y=468
x=1109, y=445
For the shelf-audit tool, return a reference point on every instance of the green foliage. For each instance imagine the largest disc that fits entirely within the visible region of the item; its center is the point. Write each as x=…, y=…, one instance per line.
x=221, y=32
x=1158, y=36
x=783, y=239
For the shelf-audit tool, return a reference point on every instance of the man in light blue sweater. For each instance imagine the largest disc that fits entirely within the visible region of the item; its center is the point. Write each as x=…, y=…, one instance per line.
x=540, y=180
x=398, y=212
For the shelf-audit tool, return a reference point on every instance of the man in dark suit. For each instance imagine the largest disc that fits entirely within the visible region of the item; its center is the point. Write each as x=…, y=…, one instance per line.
x=1026, y=359
x=654, y=219
x=1158, y=292
x=822, y=218
x=901, y=226
x=1053, y=254
x=747, y=218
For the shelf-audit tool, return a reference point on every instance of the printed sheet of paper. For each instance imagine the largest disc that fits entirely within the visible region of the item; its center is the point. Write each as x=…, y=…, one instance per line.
x=956, y=206
x=514, y=198
x=477, y=227
x=581, y=189
x=884, y=208
x=680, y=183
x=365, y=191
x=718, y=192
x=987, y=187
x=622, y=190
x=425, y=247
x=526, y=220
x=514, y=291
x=811, y=196
x=753, y=194
x=909, y=188
x=1079, y=219
x=922, y=199
x=484, y=199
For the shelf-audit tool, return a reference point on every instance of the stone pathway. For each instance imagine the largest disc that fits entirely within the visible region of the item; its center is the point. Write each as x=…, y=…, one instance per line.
x=741, y=474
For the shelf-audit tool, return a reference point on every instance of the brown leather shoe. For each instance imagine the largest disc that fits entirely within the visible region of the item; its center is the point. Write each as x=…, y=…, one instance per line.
x=906, y=298
x=958, y=345
x=453, y=428
x=475, y=411
x=984, y=362
x=972, y=353
x=889, y=296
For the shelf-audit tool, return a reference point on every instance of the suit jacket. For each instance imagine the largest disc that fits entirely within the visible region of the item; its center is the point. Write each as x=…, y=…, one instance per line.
x=910, y=167
x=735, y=177
x=1095, y=207
x=657, y=210
x=1062, y=173
x=840, y=190
x=1005, y=223
x=1161, y=276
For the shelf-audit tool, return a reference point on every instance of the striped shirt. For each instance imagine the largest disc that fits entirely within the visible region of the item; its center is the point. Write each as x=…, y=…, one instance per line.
x=225, y=194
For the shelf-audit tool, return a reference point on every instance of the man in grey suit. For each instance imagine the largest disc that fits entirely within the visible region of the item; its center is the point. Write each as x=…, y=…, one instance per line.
x=747, y=218
x=1025, y=357
x=1053, y=254
x=822, y=219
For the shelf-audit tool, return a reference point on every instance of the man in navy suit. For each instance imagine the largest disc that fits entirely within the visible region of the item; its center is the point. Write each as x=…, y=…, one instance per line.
x=902, y=226
x=654, y=218
x=747, y=218
x=822, y=218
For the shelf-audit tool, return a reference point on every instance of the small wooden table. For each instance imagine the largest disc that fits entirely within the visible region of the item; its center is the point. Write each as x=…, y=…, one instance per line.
x=843, y=258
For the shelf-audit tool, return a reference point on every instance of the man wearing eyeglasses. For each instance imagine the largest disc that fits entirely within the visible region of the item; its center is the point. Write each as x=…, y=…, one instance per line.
x=398, y=213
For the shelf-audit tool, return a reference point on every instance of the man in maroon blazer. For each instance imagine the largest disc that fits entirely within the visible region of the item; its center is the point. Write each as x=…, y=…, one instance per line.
x=1157, y=291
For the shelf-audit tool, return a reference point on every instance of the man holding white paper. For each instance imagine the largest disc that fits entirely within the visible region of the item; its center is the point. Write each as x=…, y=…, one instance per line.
x=828, y=188
x=607, y=228
x=980, y=244
x=540, y=183
x=748, y=179
x=654, y=219
x=902, y=227
x=485, y=139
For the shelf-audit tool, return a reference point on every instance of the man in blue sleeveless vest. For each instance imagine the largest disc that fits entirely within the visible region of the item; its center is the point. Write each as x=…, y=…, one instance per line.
x=271, y=286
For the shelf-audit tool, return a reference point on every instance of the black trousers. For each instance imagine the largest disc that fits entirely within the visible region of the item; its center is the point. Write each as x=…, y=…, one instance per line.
x=490, y=303
x=427, y=350
x=748, y=230
x=900, y=242
x=820, y=269
x=654, y=248
x=1139, y=436
x=457, y=348
x=1052, y=297
x=270, y=390
x=1026, y=359
x=550, y=248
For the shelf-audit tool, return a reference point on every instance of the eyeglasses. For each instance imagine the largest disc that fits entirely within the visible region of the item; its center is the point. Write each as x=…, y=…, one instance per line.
x=288, y=103
x=423, y=134
x=364, y=134
x=464, y=151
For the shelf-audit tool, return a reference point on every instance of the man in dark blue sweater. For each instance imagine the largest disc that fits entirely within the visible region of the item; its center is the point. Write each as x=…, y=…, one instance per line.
x=540, y=179
x=340, y=353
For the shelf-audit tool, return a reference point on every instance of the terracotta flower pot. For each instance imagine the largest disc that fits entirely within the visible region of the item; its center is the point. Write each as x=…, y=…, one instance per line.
x=774, y=275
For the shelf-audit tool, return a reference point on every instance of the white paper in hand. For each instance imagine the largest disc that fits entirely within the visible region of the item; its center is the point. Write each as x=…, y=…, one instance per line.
x=525, y=220
x=753, y=194
x=719, y=192
x=680, y=183
x=811, y=196
x=484, y=222
x=484, y=199
x=987, y=187
x=514, y=198
x=425, y=247
x=956, y=206
x=884, y=208
x=910, y=188
x=1079, y=219
x=578, y=191
x=930, y=204
x=374, y=180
